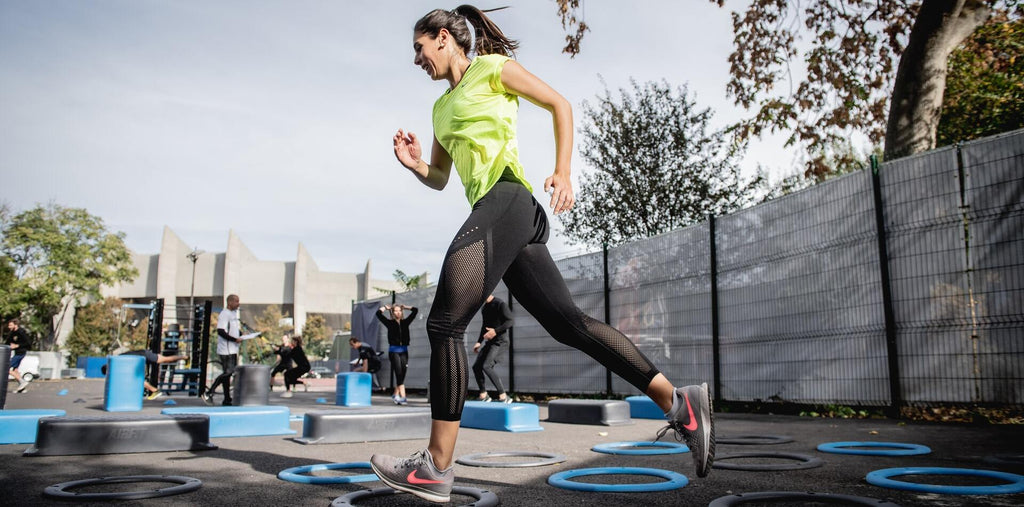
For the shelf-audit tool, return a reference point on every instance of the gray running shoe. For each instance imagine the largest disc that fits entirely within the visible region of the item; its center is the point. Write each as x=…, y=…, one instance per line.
x=207, y=398
x=692, y=420
x=416, y=475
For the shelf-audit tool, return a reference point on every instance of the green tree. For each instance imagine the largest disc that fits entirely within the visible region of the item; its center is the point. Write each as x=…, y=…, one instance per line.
x=408, y=282
x=657, y=167
x=317, y=336
x=271, y=325
x=985, y=87
x=99, y=330
x=58, y=256
x=877, y=67
x=95, y=331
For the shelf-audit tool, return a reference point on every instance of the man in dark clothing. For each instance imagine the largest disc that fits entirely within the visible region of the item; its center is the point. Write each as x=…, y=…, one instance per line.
x=497, y=317
x=20, y=343
x=368, y=360
x=398, y=344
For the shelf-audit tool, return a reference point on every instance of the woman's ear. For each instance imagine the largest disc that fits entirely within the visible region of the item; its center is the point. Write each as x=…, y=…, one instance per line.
x=443, y=36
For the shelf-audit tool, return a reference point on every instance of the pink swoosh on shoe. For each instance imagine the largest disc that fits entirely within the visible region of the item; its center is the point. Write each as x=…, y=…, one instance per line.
x=692, y=425
x=416, y=480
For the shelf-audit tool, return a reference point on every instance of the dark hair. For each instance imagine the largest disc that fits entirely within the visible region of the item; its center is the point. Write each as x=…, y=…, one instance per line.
x=297, y=339
x=353, y=340
x=15, y=321
x=489, y=38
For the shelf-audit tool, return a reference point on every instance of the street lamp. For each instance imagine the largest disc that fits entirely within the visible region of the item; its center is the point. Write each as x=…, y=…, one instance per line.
x=192, y=256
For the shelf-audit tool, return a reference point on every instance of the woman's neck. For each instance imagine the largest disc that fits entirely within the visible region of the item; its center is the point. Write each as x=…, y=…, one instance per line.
x=459, y=65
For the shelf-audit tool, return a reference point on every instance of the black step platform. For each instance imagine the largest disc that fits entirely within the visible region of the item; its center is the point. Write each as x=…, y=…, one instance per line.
x=65, y=436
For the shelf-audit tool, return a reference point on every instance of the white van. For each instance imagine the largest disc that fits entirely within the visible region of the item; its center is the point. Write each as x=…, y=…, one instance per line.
x=29, y=368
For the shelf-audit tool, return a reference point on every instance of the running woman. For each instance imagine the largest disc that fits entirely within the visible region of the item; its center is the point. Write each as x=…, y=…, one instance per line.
x=504, y=239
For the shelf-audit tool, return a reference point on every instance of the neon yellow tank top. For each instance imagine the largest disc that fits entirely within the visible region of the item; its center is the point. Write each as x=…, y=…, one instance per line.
x=476, y=124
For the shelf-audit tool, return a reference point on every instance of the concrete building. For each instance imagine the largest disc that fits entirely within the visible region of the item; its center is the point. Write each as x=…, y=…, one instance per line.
x=299, y=287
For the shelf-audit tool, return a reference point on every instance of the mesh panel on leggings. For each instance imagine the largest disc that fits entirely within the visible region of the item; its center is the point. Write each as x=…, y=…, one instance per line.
x=463, y=291
x=450, y=376
x=634, y=367
x=463, y=277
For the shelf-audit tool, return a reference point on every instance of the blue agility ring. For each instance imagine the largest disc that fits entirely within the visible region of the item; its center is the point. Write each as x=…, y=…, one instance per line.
x=882, y=478
x=296, y=474
x=652, y=448
x=888, y=448
x=675, y=480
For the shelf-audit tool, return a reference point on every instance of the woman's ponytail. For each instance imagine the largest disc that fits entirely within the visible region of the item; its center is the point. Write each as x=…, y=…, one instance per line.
x=472, y=30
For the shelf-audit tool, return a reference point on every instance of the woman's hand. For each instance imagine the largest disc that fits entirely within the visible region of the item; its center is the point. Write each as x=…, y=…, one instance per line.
x=407, y=149
x=560, y=188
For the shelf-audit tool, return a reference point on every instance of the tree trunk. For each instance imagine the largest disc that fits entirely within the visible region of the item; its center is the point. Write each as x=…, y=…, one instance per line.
x=916, y=103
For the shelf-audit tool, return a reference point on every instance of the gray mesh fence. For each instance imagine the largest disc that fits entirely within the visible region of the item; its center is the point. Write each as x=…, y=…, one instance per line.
x=800, y=298
x=928, y=267
x=801, y=316
x=994, y=199
x=660, y=298
x=543, y=365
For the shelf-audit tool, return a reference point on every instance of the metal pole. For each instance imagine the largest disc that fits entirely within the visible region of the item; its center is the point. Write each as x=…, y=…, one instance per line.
x=892, y=350
x=192, y=256
x=716, y=350
x=607, y=313
x=511, y=356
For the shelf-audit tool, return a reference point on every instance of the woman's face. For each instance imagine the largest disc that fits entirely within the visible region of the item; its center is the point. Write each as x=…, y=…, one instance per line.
x=430, y=54
x=396, y=312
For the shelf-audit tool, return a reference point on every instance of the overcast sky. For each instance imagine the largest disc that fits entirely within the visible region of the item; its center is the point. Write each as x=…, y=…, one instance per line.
x=275, y=118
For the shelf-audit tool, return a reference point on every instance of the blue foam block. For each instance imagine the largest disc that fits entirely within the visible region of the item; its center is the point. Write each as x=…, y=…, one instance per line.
x=93, y=366
x=123, y=390
x=19, y=426
x=353, y=389
x=514, y=417
x=241, y=421
x=643, y=407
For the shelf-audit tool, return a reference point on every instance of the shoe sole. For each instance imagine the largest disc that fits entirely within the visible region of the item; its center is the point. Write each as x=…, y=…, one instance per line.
x=707, y=425
x=422, y=493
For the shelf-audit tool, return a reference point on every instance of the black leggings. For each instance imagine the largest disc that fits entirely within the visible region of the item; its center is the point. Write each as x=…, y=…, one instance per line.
x=489, y=356
x=228, y=363
x=291, y=376
x=280, y=367
x=503, y=239
x=399, y=365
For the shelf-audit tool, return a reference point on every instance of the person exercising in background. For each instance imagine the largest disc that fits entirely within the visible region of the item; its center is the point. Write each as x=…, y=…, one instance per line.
x=398, y=344
x=497, y=319
x=20, y=345
x=229, y=328
x=368, y=360
x=284, y=353
x=298, y=356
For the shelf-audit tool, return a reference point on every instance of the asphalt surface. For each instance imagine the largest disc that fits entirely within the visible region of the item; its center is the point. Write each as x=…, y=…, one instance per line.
x=243, y=471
